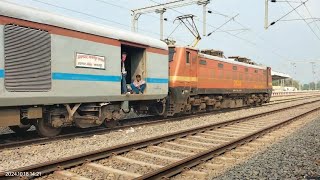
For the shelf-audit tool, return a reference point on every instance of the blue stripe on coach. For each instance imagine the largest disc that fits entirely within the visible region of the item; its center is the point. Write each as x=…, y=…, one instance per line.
x=84, y=77
x=157, y=80
x=91, y=77
x=1, y=73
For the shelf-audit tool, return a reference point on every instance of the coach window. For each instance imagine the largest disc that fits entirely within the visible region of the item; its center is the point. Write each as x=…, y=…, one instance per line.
x=256, y=71
x=246, y=70
x=220, y=66
x=234, y=68
x=188, y=57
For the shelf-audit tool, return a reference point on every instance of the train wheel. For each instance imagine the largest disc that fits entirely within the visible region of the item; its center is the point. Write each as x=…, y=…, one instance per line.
x=45, y=129
x=20, y=129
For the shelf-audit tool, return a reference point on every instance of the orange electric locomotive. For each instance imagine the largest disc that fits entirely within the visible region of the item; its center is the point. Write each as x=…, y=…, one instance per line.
x=204, y=81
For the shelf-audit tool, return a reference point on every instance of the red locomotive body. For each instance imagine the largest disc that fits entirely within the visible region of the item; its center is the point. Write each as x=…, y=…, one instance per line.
x=201, y=82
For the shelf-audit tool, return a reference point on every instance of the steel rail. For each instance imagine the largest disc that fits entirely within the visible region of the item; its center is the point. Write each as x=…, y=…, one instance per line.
x=187, y=163
x=91, y=132
x=292, y=99
x=68, y=162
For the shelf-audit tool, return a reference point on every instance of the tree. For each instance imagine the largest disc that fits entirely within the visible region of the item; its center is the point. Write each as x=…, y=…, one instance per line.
x=312, y=86
x=318, y=85
x=305, y=87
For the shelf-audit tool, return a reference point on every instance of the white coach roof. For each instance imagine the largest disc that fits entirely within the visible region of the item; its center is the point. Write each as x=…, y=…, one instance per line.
x=43, y=17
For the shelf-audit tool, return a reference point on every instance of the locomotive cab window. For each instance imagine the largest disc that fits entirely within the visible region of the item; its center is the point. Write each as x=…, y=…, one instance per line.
x=188, y=57
x=171, y=53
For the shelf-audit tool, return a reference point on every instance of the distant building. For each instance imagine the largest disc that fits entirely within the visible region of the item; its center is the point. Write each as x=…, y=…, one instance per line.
x=281, y=88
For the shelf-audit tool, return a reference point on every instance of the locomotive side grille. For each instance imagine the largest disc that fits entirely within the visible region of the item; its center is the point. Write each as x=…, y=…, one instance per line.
x=27, y=59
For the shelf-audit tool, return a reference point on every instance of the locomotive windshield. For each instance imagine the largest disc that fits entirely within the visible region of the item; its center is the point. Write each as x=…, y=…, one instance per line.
x=171, y=53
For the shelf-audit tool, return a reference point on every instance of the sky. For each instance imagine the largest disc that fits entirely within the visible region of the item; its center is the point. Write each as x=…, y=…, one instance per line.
x=279, y=46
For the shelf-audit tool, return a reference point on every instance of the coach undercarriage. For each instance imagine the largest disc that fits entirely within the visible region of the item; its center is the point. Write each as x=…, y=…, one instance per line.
x=49, y=120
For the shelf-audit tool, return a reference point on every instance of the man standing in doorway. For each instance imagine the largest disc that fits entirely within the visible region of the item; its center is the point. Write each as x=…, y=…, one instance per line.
x=124, y=74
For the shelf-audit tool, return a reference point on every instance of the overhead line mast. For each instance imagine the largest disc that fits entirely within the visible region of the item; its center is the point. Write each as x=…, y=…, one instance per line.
x=313, y=64
x=161, y=9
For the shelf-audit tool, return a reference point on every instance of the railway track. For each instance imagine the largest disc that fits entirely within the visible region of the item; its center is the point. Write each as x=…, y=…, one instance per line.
x=291, y=95
x=168, y=155
x=289, y=99
x=31, y=138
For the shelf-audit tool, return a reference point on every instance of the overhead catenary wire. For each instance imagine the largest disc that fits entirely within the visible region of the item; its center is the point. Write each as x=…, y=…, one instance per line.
x=122, y=7
x=313, y=19
x=234, y=30
x=244, y=28
x=253, y=44
x=227, y=16
x=232, y=18
x=174, y=30
x=311, y=15
x=305, y=20
x=97, y=17
x=235, y=36
x=258, y=36
x=288, y=13
x=107, y=20
x=75, y=11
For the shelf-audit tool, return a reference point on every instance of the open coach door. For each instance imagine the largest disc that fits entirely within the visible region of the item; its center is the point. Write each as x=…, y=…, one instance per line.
x=135, y=61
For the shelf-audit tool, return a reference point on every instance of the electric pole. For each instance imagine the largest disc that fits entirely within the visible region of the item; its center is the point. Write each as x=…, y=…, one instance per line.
x=161, y=9
x=313, y=69
x=266, y=14
x=314, y=74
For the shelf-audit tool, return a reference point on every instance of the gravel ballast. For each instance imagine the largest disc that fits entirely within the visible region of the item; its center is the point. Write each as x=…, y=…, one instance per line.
x=295, y=157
